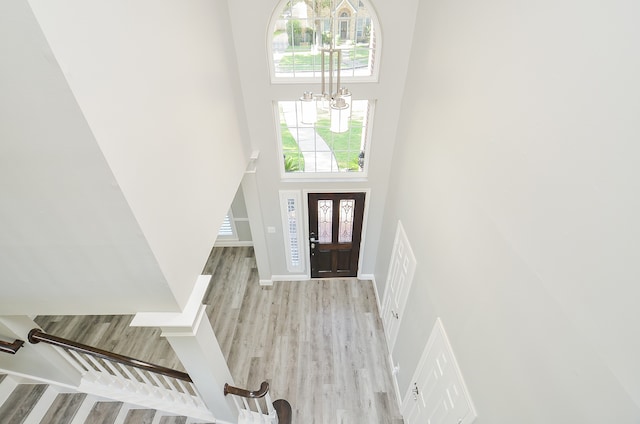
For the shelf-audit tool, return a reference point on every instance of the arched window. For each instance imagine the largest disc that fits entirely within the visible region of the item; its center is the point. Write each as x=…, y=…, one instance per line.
x=301, y=28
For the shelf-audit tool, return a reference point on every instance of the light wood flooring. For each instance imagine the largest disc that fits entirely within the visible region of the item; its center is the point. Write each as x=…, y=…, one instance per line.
x=319, y=343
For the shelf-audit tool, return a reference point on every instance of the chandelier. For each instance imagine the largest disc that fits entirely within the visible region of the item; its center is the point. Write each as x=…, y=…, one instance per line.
x=337, y=97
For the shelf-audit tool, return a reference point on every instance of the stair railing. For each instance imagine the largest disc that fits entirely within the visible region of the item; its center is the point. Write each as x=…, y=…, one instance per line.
x=253, y=413
x=11, y=348
x=117, y=376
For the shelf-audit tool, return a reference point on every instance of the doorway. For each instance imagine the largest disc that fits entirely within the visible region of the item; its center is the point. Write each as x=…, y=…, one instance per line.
x=335, y=232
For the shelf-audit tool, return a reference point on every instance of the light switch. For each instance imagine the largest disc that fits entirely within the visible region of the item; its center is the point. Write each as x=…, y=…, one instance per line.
x=271, y=230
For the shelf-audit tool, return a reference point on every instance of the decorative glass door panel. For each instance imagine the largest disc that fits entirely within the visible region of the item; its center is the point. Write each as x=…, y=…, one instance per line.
x=335, y=230
x=345, y=234
x=325, y=221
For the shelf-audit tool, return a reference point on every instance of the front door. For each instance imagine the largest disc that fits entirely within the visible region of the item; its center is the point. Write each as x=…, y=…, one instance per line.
x=335, y=230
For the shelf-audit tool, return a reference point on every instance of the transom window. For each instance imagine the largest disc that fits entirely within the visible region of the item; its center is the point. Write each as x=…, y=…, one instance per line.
x=312, y=140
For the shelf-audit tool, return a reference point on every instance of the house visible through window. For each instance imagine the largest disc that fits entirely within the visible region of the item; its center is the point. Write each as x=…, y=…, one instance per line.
x=304, y=27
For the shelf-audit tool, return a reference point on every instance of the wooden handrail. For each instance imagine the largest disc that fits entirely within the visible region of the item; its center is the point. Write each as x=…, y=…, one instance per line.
x=264, y=389
x=36, y=335
x=11, y=348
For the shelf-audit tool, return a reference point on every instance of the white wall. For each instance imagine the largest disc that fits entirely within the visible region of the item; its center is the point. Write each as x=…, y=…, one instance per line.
x=157, y=83
x=515, y=176
x=69, y=242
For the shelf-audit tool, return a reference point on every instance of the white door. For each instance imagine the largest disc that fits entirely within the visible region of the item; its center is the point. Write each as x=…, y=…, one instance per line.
x=438, y=394
x=399, y=279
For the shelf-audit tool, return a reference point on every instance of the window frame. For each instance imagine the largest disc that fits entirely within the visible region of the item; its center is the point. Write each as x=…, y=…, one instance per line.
x=288, y=237
x=377, y=50
x=327, y=176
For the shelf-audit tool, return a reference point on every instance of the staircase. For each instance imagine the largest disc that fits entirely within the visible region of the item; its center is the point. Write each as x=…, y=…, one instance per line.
x=25, y=402
x=117, y=389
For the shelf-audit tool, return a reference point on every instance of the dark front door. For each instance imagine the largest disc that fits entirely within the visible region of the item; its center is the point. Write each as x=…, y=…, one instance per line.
x=335, y=230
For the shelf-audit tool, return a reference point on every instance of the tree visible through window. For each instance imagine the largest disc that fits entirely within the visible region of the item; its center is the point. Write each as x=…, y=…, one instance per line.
x=305, y=26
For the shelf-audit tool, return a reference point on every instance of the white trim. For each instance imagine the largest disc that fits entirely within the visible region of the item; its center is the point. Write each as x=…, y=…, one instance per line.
x=394, y=373
x=266, y=282
x=377, y=51
x=394, y=378
x=233, y=243
x=285, y=197
x=372, y=278
x=359, y=176
x=305, y=204
x=188, y=318
x=290, y=277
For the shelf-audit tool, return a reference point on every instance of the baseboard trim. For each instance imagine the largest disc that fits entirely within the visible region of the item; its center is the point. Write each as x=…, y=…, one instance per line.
x=372, y=278
x=233, y=243
x=290, y=277
x=394, y=375
x=386, y=336
x=266, y=282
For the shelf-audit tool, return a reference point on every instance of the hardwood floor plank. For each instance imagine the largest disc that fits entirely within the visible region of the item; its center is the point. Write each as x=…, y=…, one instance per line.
x=104, y=413
x=140, y=416
x=20, y=402
x=319, y=343
x=63, y=408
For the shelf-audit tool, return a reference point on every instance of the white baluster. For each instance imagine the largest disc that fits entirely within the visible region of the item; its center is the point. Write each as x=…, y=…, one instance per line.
x=102, y=371
x=89, y=369
x=71, y=359
x=270, y=408
x=246, y=404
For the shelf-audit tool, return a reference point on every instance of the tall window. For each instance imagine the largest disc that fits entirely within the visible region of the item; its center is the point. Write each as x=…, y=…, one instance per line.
x=291, y=223
x=334, y=44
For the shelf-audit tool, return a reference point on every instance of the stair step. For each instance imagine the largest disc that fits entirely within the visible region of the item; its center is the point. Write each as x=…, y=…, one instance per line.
x=42, y=406
x=104, y=413
x=173, y=420
x=23, y=402
x=140, y=416
x=7, y=385
x=20, y=403
x=64, y=408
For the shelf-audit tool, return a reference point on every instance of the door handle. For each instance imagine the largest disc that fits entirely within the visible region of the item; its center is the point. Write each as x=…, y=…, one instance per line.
x=415, y=391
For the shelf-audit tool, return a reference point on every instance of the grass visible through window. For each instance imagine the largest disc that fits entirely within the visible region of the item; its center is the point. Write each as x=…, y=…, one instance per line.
x=345, y=146
x=293, y=159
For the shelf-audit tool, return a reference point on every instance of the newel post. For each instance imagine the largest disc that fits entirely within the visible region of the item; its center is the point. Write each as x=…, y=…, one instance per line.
x=191, y=337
